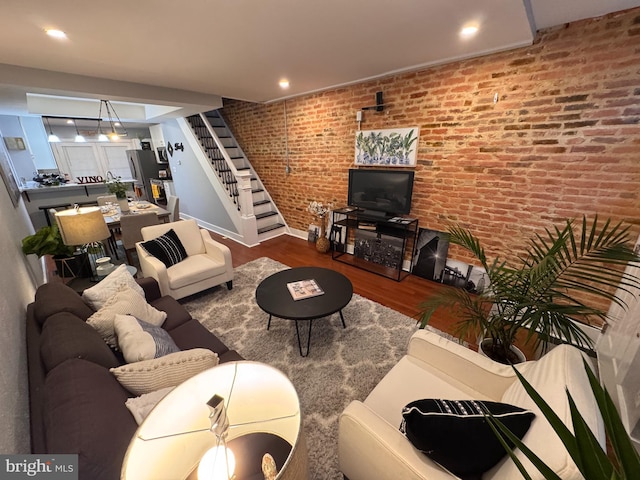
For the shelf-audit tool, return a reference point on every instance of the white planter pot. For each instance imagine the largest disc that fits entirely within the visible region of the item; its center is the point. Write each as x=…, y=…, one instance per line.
x=514, y=349
x=124, y=204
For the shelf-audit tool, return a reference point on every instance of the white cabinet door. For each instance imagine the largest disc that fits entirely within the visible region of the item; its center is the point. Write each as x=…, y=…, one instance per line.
x=93, y=159
x=115, y=159
x=79, y=160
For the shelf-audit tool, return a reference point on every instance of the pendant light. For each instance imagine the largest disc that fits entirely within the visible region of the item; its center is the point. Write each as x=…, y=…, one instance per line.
x=111, y=113
x=52, y=137
x=101, y=136
x=79, y=138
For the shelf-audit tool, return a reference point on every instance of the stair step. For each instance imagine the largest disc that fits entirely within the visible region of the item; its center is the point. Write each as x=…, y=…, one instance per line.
x=269, y=228
x=261, y=202
x=257, y=190
x=265, y=214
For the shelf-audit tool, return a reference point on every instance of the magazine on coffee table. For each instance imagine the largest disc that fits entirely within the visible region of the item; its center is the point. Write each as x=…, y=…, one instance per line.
x=304, y=289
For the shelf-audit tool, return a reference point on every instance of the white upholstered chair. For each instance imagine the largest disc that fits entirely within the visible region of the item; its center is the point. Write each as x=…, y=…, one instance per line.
x=370, y=444
x=207, y=265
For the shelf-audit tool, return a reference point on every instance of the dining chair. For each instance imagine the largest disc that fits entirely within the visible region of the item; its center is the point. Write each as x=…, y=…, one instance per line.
x=173, y=205
x=104, y=199
x=130, y=226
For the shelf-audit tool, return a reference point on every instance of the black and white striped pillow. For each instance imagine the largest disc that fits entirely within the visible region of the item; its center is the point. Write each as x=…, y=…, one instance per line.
x=167, y=248
x=456, y=434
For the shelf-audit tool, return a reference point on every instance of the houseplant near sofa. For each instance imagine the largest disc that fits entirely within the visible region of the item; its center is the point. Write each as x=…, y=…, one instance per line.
x=556, y=282
x=48, y=241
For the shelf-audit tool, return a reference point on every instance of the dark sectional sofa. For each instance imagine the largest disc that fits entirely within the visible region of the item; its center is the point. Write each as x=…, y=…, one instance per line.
x=76, y=404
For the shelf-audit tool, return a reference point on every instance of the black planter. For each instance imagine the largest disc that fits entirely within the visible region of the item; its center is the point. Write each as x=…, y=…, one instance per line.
x=76, y=265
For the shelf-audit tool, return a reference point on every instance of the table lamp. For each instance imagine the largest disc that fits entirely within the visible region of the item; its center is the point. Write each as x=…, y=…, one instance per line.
x=84, y=227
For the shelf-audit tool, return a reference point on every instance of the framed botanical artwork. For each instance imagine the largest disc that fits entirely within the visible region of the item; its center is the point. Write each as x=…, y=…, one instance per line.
x=389, y=148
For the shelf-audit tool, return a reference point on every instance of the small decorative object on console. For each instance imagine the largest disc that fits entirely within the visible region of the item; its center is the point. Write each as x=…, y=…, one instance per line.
x=104, y=266
x=320, y=210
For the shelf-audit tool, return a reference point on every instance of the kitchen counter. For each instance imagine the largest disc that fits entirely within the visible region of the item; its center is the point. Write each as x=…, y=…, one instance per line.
x=38, y=199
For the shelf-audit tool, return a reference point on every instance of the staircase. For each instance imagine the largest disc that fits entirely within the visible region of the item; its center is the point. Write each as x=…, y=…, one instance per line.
x=229, y=162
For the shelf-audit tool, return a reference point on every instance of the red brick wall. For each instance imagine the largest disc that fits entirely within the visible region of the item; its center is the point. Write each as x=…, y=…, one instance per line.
x=563, y=140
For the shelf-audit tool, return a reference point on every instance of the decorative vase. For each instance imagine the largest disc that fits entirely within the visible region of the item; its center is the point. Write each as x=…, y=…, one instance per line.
x=124, y=204
x=322, y=243
x=104, y=266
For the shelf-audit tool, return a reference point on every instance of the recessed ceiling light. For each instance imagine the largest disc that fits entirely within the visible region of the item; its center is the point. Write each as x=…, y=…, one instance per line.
x=52, y=32
x=469, y=31
x=284, y=83
x=70, y=122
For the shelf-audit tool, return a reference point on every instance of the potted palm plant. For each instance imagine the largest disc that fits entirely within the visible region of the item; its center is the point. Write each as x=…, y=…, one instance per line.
x=554, y=284
x=48, y=241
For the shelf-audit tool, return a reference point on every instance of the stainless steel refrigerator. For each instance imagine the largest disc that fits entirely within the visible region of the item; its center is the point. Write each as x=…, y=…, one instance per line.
x=144, y=167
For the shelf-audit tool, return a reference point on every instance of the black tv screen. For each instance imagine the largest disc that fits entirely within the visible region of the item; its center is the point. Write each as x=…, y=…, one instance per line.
x=382, y=192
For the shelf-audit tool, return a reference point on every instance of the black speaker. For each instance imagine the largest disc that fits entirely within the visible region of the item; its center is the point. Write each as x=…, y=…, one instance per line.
x=379, y=102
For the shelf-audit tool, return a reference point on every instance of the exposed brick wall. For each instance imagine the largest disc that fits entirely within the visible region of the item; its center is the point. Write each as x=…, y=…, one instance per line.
x=563, y=140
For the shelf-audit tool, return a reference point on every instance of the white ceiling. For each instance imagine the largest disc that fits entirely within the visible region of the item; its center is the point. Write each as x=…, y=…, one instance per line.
x=186, y=55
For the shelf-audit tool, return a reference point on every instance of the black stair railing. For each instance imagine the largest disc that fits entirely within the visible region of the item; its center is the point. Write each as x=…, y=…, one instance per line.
x=216, y=157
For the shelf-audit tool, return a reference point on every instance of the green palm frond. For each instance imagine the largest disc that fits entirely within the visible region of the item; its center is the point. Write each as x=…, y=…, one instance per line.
x=623, y=461
x=560, y=269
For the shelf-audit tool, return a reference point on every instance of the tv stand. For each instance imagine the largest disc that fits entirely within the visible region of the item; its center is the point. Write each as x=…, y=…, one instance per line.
x=374, y=242
x=374, y=214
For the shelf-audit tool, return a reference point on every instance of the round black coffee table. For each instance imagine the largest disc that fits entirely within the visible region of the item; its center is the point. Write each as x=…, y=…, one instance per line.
x=272, y=296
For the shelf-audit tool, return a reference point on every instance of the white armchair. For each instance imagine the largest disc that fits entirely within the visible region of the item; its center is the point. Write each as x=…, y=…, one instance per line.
x=207, y=265
x=371, y=445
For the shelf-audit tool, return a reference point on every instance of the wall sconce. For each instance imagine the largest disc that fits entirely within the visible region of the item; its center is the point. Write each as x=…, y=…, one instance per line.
x=379, y=106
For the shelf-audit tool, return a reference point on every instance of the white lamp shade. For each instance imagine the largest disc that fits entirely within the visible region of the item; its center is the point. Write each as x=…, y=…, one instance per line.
x=81, y=226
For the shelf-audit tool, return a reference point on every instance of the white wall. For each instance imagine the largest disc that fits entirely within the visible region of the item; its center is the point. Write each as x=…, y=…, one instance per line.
x=18, y=280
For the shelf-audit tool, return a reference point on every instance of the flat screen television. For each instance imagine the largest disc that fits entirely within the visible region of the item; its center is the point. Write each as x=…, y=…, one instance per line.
x=381, y=192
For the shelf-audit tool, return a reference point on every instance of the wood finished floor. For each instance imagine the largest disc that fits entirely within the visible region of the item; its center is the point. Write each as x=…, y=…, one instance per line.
x=403, y=296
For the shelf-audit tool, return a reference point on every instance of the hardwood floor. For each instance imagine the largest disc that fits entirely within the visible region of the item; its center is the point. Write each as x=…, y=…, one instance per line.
x=403, y=296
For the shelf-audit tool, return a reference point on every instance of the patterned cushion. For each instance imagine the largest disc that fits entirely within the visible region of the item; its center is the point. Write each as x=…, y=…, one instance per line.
x=125, y=302
x=167, y=248
x=168, y=371
x=120, y=278
x=139, y=340
x=455, y=433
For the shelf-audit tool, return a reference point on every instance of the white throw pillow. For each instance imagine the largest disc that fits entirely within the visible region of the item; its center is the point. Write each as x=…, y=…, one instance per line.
x=139, y=340
x=141, y=406
x=125, y=302
x=120, y=278
x=168, y=371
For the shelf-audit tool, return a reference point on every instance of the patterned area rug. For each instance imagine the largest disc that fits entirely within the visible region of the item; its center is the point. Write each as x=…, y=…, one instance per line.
x=343, y=364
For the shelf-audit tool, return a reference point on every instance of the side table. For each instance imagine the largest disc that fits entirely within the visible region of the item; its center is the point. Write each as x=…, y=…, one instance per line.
x=80, y=284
